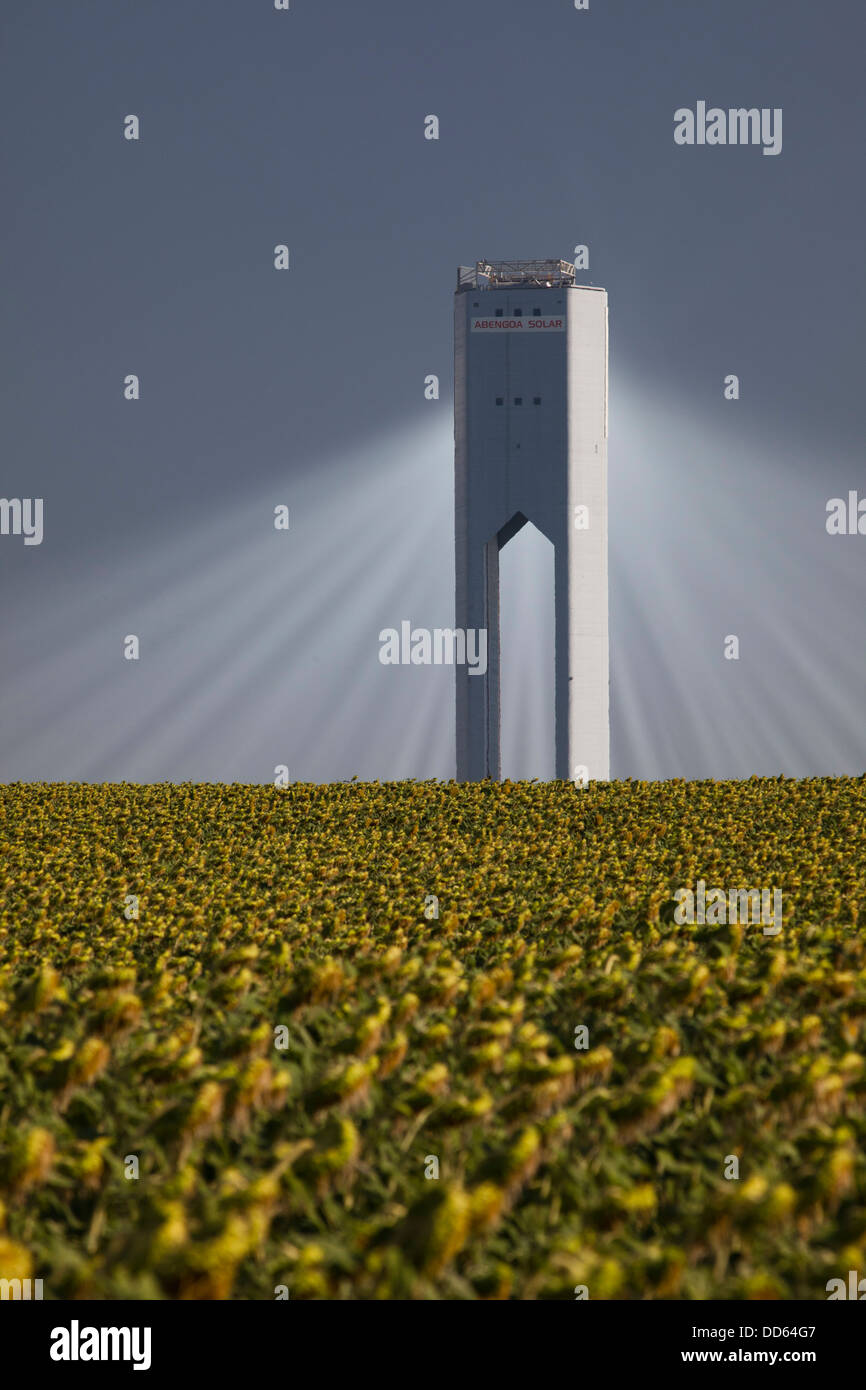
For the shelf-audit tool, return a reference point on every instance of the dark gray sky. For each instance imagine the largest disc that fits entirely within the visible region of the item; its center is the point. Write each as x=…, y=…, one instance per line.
x=306, y=387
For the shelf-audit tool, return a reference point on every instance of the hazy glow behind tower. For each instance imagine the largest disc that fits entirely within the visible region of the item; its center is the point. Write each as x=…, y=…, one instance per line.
x=530, y=437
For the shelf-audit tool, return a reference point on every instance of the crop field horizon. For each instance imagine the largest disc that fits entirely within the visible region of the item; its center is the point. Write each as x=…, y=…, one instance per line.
x=429, y=1040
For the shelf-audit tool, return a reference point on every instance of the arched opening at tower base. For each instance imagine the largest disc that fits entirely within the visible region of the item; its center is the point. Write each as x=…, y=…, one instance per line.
x=527, y=663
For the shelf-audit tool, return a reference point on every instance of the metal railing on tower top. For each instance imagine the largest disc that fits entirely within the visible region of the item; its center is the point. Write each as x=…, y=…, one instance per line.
x=487, y=275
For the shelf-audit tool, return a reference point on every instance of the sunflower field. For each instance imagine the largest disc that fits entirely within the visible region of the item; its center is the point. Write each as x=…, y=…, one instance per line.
x=423, y=1040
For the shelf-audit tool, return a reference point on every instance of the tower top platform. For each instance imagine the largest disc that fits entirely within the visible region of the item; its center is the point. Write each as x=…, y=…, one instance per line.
x=489, y=275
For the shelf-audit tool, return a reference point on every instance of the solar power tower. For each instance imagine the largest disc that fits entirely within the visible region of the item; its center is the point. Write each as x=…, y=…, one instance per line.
x=530, y=444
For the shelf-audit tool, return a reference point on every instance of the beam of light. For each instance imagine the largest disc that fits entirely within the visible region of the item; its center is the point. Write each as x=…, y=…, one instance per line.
x=261, y=648
x=714, y=533
x=258, y=647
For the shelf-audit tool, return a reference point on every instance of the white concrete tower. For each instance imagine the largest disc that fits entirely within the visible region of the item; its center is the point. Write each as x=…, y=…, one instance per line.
x=530, y=444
